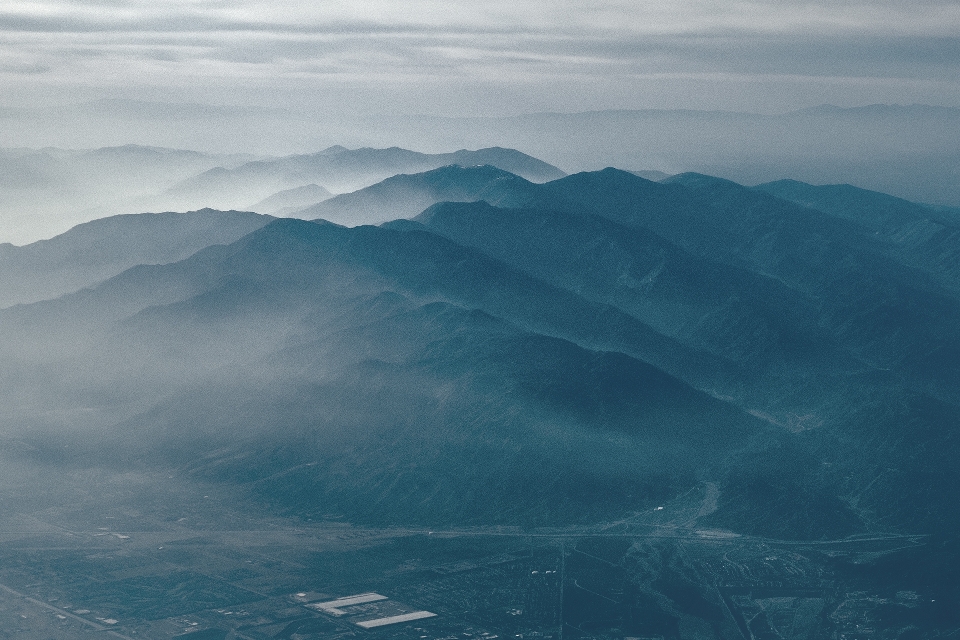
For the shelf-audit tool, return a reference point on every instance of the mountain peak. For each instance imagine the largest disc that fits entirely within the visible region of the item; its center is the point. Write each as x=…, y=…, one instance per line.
x=407, y=195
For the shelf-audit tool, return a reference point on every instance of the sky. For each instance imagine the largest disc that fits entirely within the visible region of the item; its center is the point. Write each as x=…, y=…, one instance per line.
x=500, y=57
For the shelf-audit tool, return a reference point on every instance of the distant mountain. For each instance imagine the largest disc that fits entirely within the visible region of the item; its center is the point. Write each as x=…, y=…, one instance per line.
x=94, y=251
x=809, y=304
x=878, y=211
x=655, y=176
x=341, y=169
x=815, y=253
x=24, y=169
x=909, y=151
x=951, y=214
x=405, y=196
x=906, y=150
x=507, y=159
x=729, y=311
x=47, y=191
x=291, y=200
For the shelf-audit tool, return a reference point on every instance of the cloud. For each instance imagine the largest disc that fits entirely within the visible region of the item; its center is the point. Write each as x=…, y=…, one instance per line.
x=184, y=43
x=563, y=16
x=23, y=68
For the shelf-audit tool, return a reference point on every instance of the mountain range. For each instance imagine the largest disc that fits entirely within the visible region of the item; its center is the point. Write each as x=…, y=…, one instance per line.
x=340, y=169
x=94, y=251
x=406, y=195
x=526, y=354
x=47, y=190
x=909, y=151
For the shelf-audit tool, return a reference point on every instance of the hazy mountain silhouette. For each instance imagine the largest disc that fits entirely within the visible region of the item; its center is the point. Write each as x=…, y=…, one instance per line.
x=405, y=196
x=97, y=250
x=341, y=169
x=290, y=201
x=906, y=150
x=44, y=192
x=655, y=176
x=877, y=211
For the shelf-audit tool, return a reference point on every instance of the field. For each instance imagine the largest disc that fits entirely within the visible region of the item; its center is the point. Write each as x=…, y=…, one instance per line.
x=154, y=556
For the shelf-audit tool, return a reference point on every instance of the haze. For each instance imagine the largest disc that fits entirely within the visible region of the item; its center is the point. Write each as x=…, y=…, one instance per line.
x=673, y=87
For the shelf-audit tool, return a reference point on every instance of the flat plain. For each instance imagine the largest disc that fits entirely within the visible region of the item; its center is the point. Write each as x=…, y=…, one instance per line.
x=154, y=556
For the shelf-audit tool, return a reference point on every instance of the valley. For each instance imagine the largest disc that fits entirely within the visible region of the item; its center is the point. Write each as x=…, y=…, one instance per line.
x=195, y=566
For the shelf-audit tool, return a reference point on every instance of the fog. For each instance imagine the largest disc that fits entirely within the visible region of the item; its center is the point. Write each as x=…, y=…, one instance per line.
x=906, y=151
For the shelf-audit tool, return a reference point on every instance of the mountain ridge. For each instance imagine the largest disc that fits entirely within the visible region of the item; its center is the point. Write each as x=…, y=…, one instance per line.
x=391, y=348
x=344, y=170
x=94, y=251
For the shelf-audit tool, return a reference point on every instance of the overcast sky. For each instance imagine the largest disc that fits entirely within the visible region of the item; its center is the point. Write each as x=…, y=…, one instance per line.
x=483, y=58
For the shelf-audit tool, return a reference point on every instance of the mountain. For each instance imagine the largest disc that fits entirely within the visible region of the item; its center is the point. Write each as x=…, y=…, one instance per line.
x=405, y=196
x=735, y=314
x=654, y=176
x=436, y=373
x=918, y=235
x=905, y=150
x=909, y=151
x=669, y=409
x=340, y=169
x=852, y=321
x=814, y=253
x=878, y=211
x=291, y=200
x=444, y=369
x=47, y=191
x=94, y=251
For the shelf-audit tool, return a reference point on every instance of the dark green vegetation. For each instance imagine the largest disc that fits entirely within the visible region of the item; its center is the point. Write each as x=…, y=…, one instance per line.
x=572, y=356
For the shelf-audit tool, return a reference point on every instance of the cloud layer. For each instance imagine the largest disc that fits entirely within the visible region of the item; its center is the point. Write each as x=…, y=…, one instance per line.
x=497, y=57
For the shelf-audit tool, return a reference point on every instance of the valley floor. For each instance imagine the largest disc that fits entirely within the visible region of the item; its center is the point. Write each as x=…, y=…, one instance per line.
x=156, y=556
